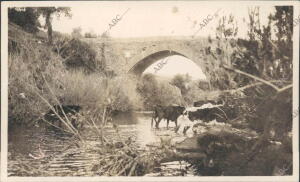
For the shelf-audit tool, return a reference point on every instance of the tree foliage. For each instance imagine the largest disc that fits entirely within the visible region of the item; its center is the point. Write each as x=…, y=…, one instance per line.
x=48, y=12
x=90, y=34
x=181, y=81
x=27, y=18
x=77, y=32
x=81, y=55
x=265, y=55
x=156, y=92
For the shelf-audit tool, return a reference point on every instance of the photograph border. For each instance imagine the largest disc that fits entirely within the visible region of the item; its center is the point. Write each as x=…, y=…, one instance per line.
x=4, y=98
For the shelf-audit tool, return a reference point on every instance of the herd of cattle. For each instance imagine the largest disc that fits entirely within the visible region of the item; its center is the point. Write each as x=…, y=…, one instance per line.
x=204, y=111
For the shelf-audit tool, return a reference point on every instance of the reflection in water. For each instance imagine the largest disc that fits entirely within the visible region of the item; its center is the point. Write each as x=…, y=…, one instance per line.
x=145, y=134
x=139, y=123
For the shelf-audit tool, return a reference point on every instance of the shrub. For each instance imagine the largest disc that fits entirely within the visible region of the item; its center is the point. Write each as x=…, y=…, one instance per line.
x=80, y=55
x=90, y=35
x=97, y=91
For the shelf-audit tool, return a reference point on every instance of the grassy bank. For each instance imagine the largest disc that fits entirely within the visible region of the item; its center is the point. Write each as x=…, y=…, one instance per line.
x=40, y=76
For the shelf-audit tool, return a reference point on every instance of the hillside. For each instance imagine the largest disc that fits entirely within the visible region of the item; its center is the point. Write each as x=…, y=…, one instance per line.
x=16, y=32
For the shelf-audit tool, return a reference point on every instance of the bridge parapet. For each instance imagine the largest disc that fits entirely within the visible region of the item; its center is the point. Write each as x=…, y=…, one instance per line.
x=135, y=55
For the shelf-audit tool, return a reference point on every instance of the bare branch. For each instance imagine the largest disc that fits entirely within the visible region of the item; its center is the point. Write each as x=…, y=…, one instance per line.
x=285, y=88
x=252, y=76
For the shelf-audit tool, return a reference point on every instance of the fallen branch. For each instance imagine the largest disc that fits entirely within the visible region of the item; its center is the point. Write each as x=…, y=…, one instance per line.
x=285, y=88
x=252, y=76
x=243, y=88
x=256, y=84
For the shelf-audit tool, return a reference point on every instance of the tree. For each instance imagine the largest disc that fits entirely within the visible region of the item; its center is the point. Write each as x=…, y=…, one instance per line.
x=264, y=55
x=27, y=18
x=148, y=88
x=90, y=34
x=76, y=33
x=48, y=12
x=227, y=27
x=80, y=55
x=181, y=81
x=105, y=35
x=283, y=19
x=156, y=92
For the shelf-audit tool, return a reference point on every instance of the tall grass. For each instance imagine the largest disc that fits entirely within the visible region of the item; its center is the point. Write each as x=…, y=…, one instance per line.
x=25, y=77
x=96, y=91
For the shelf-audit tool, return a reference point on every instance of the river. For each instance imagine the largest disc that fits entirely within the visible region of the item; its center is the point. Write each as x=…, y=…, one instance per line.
x=36, y=151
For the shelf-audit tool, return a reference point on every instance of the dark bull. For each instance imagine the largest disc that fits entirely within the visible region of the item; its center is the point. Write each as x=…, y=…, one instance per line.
x=170, y=113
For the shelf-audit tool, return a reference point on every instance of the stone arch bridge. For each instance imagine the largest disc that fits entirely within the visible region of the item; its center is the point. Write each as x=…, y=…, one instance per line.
x=136, y=54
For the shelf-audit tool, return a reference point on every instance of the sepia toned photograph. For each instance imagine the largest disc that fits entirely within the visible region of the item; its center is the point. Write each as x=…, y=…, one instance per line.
x=186, y=89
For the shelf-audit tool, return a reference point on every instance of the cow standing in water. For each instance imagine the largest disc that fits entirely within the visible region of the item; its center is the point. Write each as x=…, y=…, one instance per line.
x=170, y=113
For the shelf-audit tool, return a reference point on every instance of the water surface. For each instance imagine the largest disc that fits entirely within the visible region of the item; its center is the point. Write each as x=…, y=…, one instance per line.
x=36, y=148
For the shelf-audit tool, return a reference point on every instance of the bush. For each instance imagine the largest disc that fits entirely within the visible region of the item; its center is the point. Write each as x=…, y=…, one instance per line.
x=95, y=91
x=90, y=35
x=78, y=55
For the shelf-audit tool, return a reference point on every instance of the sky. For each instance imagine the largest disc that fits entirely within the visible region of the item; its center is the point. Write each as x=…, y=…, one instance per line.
x=176, y=65
x=154, y=18
x=157, y=18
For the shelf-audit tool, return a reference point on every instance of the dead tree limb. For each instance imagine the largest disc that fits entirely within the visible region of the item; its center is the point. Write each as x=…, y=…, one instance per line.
x=252, y=76
x=244, y=87
x=256, y=84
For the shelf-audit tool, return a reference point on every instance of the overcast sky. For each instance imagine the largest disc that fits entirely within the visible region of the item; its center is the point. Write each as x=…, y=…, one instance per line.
x=154, y=18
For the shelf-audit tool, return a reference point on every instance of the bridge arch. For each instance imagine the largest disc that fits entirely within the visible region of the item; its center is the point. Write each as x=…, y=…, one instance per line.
x=140, y=66
x=135, y=55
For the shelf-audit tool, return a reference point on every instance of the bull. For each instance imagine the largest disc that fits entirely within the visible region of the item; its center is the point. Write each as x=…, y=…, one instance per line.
x=170, y=113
